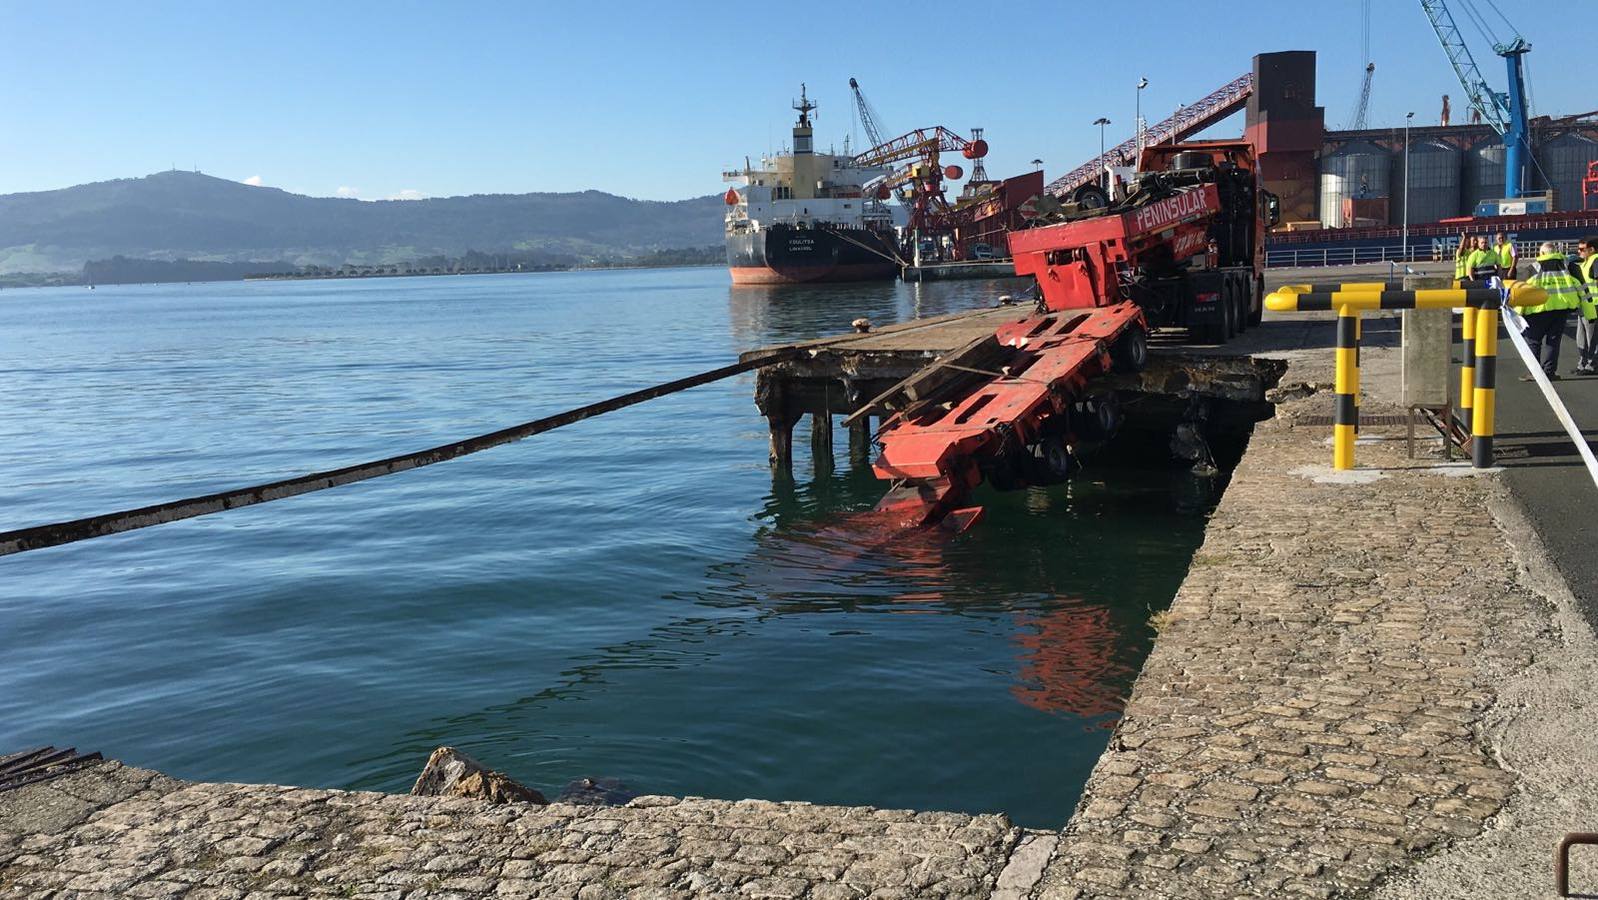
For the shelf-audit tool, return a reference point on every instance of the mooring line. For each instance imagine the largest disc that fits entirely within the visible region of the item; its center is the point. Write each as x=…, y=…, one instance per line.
x=40, y=536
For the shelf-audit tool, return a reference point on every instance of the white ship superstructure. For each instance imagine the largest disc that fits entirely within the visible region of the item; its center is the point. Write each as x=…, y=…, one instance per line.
x=807, y=216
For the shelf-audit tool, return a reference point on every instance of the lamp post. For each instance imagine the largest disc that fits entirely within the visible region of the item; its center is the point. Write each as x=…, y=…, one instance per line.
x=1103, y=176
x=1141, y=84
x=1407, y=118
x=1038, y=164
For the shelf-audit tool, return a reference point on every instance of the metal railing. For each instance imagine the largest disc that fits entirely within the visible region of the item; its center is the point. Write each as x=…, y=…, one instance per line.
x=1348, y=256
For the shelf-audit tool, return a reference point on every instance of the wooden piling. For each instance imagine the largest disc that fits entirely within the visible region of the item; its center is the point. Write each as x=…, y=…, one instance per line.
x=860, y=442
x=821, y=440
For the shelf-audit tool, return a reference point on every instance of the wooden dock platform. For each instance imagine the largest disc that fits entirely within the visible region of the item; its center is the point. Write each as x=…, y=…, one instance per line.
x=837, y=376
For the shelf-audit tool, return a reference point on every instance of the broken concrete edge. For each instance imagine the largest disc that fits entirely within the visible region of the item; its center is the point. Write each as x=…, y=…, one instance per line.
x=60, y=803
x=454, y=773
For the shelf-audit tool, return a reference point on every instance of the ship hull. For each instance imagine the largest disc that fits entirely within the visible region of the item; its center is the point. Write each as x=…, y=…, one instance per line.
x=785, y=255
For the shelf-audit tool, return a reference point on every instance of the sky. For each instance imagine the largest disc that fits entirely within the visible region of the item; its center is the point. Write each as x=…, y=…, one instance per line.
x=653, y=100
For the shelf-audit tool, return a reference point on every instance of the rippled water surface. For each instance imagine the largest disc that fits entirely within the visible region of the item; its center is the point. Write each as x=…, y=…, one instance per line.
x=633, y=596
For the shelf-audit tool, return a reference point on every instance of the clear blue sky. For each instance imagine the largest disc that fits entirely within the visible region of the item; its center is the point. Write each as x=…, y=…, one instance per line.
x=651, y=100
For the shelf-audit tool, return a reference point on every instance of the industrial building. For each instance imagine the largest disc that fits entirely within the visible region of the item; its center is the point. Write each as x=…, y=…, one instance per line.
x=1343, y=179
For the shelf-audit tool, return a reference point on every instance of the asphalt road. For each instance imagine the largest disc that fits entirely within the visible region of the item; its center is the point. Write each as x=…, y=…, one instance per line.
x=1543, y=470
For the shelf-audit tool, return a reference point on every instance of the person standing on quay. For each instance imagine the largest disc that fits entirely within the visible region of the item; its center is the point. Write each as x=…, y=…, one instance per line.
x=1587, y=323
x=1482, y=264
x=1461, y=259
x=1545, y=323
x=1505, y=250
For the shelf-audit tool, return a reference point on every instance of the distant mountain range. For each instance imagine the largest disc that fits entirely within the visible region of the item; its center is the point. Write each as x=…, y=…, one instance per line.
x=187, y=215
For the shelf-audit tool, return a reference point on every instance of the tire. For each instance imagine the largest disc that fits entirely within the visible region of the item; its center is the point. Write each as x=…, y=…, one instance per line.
x=1229, y=316
x=1091, y=196
x=1256, y=300
x=1130, y=353
x=1240, y=297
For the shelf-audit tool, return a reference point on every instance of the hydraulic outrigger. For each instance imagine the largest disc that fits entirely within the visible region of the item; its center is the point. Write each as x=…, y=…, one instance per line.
x=1184, y=246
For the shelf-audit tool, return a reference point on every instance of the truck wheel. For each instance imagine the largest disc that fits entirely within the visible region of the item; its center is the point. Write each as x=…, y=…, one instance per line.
x=1225, y=325
x=1130, y=353
x=1091, y=196
x=1256, y=300
x=1240, y=297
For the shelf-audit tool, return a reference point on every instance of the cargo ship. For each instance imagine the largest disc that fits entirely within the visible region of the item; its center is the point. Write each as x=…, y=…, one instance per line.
x=809, y=217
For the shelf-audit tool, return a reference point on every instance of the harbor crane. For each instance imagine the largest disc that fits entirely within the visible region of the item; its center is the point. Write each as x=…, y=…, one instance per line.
x=922, y=179
x=868, y=116
x=1356, y=122
x=1504, y=111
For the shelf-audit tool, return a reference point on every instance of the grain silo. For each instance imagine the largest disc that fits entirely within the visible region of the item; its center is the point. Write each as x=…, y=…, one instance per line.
x=1484, y=174
x=1356, y=171
x=1563, y=164
x=1434, y=182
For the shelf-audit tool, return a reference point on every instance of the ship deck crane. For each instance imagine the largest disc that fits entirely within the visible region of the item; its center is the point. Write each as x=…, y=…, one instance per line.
x=1506, y=112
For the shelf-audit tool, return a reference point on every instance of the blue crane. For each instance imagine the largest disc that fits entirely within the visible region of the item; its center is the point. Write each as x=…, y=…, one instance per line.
x=1505, y=112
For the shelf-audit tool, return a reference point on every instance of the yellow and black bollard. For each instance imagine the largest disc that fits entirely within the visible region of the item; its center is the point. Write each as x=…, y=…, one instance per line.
x=1345, y=420
x=1467, y=367
x=1481, y=341
x=1483, y=401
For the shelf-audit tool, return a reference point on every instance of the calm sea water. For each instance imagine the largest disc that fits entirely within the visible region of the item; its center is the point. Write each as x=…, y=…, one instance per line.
x=634, y=596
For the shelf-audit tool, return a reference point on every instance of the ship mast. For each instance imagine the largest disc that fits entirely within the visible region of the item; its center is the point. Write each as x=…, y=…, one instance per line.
x=802, y=142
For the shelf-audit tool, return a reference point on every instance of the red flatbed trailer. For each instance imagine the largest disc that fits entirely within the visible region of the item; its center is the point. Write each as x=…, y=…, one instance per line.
x=1185, y=247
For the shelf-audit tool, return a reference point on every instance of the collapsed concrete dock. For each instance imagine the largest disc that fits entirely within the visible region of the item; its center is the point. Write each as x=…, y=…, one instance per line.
x=835, y=377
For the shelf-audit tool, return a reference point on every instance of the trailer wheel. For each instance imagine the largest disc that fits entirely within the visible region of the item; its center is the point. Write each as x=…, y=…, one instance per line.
x=1130, y=352
x=1091, y=196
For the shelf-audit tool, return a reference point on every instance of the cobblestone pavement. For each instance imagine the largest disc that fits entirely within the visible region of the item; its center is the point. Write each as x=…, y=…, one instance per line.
x=122, y=832
x=1309, y=720
x=1309, y=717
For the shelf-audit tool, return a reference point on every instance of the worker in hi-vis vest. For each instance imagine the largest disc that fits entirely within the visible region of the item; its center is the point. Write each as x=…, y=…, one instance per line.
x=1587, y=322
x=1482, y=263
x=1461, y=254
x=1545, y=323
x=1505, y=250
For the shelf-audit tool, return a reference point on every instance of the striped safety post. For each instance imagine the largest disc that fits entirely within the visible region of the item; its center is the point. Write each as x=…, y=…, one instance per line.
x=1345, y=421
x=1349, y=299
x=1483, y=399
x=1359, y=337
x=1467, y=366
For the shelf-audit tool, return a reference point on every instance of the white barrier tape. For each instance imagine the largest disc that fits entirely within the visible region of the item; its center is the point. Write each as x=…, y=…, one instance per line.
x=1517, y=323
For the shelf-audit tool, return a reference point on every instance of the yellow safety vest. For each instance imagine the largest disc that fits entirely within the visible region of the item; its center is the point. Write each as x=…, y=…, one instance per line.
x=1564, y=291
x=1506, y=255
x=1589, y=298
x=1460, y=269
x=1480, y=260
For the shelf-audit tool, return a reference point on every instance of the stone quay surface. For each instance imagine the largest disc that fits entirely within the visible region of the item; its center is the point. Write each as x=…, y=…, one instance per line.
x=1317, y=718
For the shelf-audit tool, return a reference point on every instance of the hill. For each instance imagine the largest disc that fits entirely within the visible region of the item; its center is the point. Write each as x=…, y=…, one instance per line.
x=187, y=215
